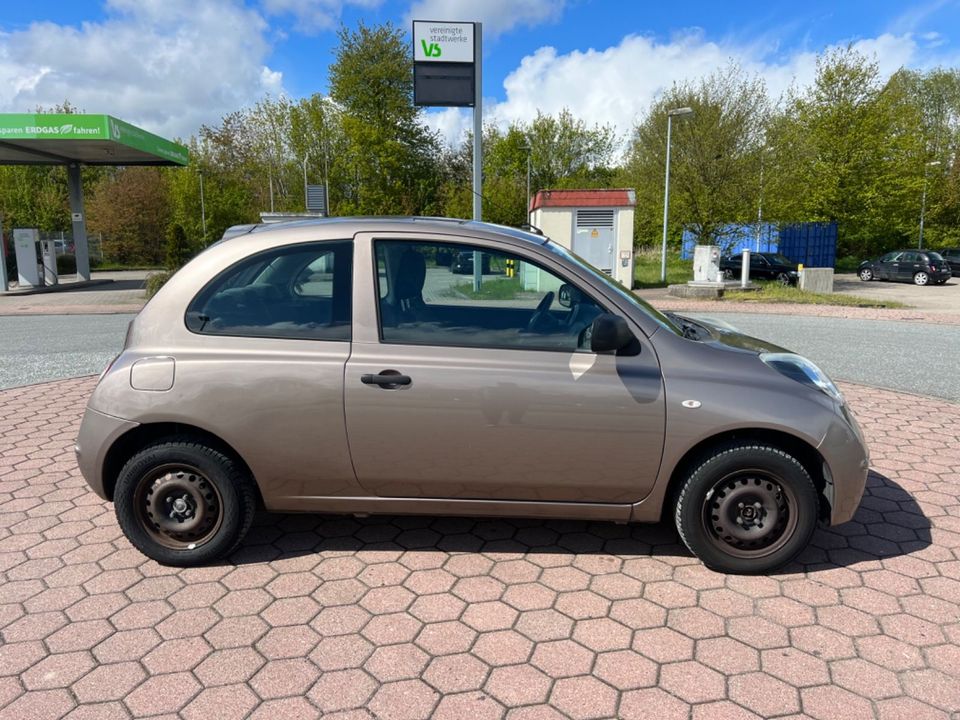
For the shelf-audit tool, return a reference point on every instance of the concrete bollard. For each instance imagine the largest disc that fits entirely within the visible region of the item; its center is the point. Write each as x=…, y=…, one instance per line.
x=745, y=269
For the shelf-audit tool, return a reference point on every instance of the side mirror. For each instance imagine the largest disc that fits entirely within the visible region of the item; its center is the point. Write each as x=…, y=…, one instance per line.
x=565, y=296
x=609, y=332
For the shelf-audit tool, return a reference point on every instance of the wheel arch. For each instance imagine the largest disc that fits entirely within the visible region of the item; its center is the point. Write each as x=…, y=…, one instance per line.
x=128, y=444
x=805, y=453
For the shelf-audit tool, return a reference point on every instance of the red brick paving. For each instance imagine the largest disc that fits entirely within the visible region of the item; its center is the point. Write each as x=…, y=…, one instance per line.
x=458, y=618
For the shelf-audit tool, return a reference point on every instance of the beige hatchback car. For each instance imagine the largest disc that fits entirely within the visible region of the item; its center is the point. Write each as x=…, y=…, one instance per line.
x=348, y=366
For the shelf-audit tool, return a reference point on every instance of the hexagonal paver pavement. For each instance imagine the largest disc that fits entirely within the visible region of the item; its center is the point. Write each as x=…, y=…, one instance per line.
x=417, y=617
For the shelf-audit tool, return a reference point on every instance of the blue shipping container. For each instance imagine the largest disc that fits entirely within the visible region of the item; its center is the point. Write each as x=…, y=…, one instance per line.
x=735, y=239
x=811, y=244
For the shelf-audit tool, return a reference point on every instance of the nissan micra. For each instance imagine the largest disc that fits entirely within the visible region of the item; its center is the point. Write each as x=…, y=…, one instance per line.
x=339, y=366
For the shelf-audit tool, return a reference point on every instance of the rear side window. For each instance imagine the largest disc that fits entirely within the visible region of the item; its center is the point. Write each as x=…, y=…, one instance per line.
x=299, y=291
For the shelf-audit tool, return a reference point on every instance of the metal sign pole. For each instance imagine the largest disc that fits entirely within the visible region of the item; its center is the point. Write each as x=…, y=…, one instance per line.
x=3, y=259
x=477, y=146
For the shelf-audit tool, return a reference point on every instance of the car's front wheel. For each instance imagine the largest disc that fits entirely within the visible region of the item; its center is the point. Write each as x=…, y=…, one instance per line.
x=783, y=278
x=728, y=274
x=921, y=278
x=747, y=508
x=866, y=274
x=181, y=502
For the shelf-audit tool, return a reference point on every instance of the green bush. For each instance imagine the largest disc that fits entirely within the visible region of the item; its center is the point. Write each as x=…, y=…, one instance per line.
x=155, y=281
x=178, y=247
x=66, y=264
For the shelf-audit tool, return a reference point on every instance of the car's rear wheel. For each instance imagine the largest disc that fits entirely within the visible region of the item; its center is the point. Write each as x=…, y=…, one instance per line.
x=921, y=278
x=866, y=274
x=747, y=508
x=728, y=274
x=181, y=502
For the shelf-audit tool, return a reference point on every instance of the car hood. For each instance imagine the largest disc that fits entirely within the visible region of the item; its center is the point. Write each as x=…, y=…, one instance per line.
x=727, y=336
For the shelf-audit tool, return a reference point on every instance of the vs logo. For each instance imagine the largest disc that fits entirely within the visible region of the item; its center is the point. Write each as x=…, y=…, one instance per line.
x=431, y=49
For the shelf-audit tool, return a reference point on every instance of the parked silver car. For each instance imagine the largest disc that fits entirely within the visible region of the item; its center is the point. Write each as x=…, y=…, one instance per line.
x=336, y=366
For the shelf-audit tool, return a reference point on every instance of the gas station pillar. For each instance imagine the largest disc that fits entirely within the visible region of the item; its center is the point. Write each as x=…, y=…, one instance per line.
x=75, y=189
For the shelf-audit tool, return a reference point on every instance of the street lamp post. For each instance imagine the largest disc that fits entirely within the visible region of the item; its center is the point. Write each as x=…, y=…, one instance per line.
x=923, y=201
x=203, y=209
x=306, y=156
x=763, y=153
x=529, y=150
x=676, y=112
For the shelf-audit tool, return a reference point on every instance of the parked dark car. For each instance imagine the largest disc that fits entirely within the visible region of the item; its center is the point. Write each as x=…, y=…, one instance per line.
x=462, y=264
x=921, y=267
x=763, y=266
x=952, y=256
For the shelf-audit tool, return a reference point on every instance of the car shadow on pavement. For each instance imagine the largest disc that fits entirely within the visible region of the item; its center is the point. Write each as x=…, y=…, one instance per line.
x=888, y=523
x=115, y=285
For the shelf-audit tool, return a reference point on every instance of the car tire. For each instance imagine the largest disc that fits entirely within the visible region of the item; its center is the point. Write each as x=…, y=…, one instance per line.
x=783, y=279
x=731, y=493
x=921, y=278
x=728, y=274
x=184, y=503
x=866, y=274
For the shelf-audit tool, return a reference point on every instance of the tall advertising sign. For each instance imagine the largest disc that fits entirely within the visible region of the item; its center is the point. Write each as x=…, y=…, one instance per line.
x=447, y=72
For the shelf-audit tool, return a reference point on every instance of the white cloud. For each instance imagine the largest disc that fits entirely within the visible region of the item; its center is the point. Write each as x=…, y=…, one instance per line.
x=315, y=15
x=166, y=65
x=497, y=16
x=616, y=85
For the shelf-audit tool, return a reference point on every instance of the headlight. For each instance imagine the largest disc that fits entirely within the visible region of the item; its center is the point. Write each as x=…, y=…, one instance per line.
x=797, y=367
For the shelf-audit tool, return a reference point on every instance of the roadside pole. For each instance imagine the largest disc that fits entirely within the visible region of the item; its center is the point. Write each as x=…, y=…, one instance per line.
x=3, y=259
x=478, y=147
x=447, y=62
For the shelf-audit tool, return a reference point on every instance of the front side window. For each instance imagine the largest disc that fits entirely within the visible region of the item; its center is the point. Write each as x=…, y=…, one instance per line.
x=429, y=296
x=890, y=257
x=910, y=257
x=299, y=291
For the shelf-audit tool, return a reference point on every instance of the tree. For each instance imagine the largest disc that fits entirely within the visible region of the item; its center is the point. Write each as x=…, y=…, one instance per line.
x=130, y=206
x=563, y=150
x=178, y=247
x=389, y=162
x=715, y=157
x=849, y=149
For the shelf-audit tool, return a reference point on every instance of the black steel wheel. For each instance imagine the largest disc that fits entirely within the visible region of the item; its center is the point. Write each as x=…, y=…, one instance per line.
x=747, y=508
x=181, y=502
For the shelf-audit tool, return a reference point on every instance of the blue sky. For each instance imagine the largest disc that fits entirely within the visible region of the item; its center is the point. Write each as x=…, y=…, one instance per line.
x=172, y=64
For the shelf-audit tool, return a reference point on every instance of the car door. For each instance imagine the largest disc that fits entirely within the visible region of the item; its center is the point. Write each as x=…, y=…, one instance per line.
x=887, y=266
x=500, y=402
x=759, y=267
x=907, y=264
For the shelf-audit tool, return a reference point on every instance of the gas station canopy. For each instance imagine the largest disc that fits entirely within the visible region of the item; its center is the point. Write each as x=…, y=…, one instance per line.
x=61, y=139
x=75, y=140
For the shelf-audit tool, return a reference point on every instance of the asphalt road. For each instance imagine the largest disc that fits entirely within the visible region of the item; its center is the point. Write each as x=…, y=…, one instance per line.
x=911, y=356
x=48, y=347
x=914, y=357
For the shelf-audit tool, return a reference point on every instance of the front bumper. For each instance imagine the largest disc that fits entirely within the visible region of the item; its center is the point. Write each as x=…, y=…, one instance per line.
x=98, y=433
x=846, y=464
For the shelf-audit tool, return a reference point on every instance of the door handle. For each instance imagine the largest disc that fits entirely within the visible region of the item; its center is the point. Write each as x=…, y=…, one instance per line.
x=385, y=379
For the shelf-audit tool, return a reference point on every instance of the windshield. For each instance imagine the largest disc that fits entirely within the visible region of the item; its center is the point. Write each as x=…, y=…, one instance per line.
x=641, y=305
